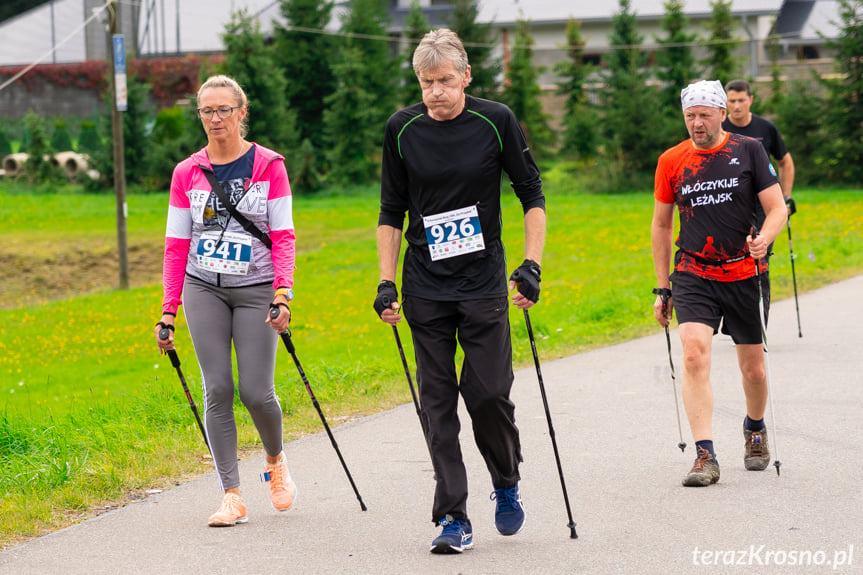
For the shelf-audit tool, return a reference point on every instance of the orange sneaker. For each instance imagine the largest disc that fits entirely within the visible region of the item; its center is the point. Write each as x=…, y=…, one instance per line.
x=232, y=511
x=283, y=490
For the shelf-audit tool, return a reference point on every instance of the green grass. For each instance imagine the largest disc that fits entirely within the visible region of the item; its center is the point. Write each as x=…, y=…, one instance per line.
x=91, y=415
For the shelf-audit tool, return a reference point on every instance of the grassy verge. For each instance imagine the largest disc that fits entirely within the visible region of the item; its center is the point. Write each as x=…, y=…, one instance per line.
x=91, y=415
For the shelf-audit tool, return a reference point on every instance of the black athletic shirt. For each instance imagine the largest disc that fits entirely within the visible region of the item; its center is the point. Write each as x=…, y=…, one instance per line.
x=431, y=167
x=765, y=132
x=762, y=130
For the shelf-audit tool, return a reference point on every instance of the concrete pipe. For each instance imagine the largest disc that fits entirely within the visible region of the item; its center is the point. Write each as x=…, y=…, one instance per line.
x=72, y=162
x=13, y=164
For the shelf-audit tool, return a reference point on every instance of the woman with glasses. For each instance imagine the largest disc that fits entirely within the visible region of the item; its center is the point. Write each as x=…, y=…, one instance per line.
x=229, y=259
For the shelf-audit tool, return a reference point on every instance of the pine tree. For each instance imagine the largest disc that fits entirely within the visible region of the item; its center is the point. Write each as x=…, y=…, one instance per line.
x=522, y=93
x=88, y=140
x=136, y=136
x=777, y=86
x=38, y=167
x=299, y=50
x=579, y=118
x=632, y=107
x=799, y=118
x=478, y=40
x=369, y=20
x=416, y=26
x=351, y=133
x=5, y=144
x=60, y=140
x=720, y=45
x=252, y=64
x=675, y=61
x=842, y=160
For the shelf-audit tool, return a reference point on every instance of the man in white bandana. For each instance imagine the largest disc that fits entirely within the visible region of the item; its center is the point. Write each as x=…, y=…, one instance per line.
x=716, y=179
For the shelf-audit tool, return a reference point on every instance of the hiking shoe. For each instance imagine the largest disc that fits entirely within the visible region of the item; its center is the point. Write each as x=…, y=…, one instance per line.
x=283, y=490
x=704, y=471
x=509, y=515
x=457, y=535
x=231, y=512
x=756, y=454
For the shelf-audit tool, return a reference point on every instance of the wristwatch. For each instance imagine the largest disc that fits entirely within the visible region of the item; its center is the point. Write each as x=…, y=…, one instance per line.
x=287, y=292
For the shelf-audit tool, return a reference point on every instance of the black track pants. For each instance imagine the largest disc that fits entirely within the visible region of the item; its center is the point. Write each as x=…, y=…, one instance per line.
x=481, y=327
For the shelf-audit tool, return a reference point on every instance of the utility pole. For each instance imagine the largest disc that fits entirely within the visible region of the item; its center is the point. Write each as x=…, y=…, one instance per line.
x=118, y=56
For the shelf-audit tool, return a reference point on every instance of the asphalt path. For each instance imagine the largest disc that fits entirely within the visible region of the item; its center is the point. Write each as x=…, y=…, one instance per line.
x=614, y=417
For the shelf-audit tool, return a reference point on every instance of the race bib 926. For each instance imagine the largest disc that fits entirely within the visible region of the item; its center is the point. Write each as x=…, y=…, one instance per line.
x=453, y=233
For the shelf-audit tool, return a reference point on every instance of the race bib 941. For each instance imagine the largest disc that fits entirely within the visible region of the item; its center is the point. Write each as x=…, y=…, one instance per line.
x=228, y=253
x=453, y=233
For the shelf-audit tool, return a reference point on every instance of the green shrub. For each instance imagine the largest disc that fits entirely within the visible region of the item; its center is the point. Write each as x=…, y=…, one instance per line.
x=176, y=134
x=38, y=167
x=89, y=140
x=60, y=140
x=5, y=145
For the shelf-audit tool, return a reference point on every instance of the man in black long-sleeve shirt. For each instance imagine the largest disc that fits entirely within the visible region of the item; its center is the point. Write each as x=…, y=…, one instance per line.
x=442, y=164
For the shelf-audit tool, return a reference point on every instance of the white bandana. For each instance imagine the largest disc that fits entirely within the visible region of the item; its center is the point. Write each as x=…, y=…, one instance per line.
x=704, y=93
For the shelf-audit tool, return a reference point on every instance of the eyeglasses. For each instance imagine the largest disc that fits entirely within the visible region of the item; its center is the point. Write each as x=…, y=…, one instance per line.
x=223, y=111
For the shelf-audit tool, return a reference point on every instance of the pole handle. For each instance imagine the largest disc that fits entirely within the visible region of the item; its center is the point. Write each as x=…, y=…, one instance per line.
x=164, y=334
x=286, y=335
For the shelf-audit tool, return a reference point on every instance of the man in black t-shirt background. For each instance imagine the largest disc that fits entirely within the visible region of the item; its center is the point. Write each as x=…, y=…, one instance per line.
x=741, y=120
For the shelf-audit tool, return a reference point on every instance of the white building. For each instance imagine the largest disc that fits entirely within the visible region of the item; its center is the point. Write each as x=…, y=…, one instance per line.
x=193, y=26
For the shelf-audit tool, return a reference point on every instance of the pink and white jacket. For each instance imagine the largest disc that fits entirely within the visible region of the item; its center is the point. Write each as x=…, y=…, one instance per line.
x=267, y=203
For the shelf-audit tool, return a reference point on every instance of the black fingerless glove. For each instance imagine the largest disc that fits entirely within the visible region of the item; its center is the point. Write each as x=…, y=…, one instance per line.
x=526, y=277
x=663, y=293
x=387, y=294
x=792, y=207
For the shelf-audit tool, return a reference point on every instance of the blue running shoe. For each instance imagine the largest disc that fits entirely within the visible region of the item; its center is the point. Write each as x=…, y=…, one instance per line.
x=509, y=515
x=457, y=535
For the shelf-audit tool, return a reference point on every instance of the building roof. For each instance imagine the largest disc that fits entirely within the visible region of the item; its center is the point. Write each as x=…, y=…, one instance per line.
x=801, y=21
x=201, y=22
x=505, y=12
x=27, y=37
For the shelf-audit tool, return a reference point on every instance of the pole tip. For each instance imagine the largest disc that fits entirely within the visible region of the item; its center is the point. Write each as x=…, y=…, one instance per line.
x=363, y=505
x=682, y=446
x=572, y=533
x=777, y=464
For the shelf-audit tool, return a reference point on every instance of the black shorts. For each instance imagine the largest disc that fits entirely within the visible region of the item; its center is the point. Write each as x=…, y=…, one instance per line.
x=709, y=302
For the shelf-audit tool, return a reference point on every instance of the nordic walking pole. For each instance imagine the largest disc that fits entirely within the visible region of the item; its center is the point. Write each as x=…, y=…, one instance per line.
x=793, y=209
x=164, y=334
x=286, y=338
x=664, y=294
x=776, y=463
x=423, y=422
x=571, y=523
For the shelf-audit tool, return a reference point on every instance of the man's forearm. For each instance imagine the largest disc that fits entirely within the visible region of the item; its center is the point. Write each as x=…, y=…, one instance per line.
x=534, y=234
x=786, y=175
x=661, y=238
x=389, y=245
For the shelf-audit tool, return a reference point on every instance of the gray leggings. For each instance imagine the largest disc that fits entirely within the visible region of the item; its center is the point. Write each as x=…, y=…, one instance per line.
x=216, y=316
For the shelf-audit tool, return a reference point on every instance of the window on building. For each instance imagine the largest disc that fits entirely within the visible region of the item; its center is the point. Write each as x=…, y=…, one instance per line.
x=809, y=52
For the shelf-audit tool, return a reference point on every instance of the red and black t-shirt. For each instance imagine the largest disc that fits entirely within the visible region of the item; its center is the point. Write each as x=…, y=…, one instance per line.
x=716, y=192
